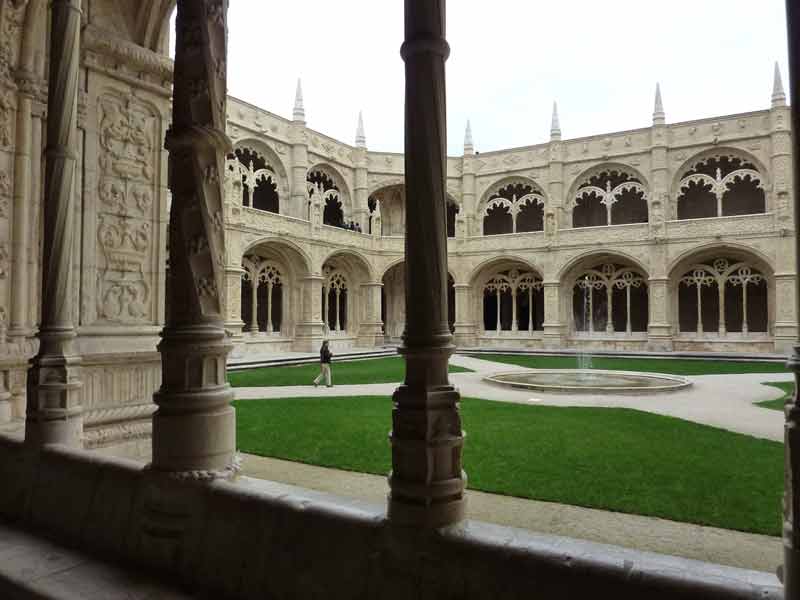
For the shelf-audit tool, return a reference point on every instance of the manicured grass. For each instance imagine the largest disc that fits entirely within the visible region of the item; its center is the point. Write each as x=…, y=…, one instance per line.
x=777, y=404
x=615, y=459
x=673, y=366
x=391, y=369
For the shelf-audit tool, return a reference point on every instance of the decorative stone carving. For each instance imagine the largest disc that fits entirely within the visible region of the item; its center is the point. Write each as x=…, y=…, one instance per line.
x=5, y=194
x=123, y=295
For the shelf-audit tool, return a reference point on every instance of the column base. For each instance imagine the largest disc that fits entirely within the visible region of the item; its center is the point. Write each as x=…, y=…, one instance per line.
x=54, y=411
x=370, y=335
x=552, y=336
x=464, y=335
x=199, y=446
x=308, y=337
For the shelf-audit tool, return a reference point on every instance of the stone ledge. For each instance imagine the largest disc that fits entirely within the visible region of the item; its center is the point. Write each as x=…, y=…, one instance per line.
x=251, y=538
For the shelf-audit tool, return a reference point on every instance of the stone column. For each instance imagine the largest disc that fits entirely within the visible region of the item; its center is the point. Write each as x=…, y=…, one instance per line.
x=54, y=413
x=309, y=331
x=552, y=326
x=233, y=301
x=370, y=331
x=791, y=500
x=194, y=426
x=426, y=482
x=20, y=249
x=464, y=334
x=253, y=304
x=34, y=280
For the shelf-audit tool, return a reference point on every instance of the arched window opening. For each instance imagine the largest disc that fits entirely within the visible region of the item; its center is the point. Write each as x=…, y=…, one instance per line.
x=513, y=301
x=610, y=197
x=372, y=205
x=334, y=300
x=259, y=182
x=262, y=295
x=721, y=186
x=723, y=296
x=498, y=219
x=610, y=298
x=320, y=182
x=513, y=208
x=452, y=211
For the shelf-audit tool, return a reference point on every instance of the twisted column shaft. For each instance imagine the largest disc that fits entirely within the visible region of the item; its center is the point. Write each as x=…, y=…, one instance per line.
x=194, y=426
x=427, y=482
x=54, y=410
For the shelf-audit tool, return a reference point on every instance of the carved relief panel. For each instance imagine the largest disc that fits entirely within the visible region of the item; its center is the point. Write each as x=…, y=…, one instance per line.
x=126, y=193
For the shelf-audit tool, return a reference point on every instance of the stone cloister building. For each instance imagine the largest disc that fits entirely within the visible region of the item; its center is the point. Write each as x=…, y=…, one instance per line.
x=670, y=237
x=150, y=226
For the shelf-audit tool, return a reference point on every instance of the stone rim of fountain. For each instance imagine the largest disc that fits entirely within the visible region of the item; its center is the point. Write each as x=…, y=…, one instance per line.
x=671, y=383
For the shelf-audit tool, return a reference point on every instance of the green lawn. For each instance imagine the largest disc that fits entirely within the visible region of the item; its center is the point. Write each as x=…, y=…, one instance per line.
x=615, y=459
x=788, y=389
x=391, y=369
x=673, y=366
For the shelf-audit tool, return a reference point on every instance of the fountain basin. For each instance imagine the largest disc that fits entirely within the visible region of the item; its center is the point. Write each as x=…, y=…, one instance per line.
x=593, y=381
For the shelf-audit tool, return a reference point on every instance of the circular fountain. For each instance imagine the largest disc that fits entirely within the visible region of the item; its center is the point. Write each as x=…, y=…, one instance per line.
x=591, y=381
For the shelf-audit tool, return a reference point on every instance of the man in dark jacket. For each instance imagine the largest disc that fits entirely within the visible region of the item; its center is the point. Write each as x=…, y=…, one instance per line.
x=325, y=355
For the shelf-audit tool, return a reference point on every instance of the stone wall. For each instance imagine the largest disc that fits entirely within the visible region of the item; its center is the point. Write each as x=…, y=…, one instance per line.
x=256, y=539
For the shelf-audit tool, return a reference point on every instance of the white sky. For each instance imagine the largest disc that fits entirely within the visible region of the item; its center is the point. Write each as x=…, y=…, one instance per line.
x=509, y=60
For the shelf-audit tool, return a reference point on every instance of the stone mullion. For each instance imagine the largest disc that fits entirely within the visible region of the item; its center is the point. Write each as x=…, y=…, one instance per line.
x=628, y=326
x=325, y=299
x=609, y=308
x=514, y=324
x=744, y=307
x=590, y=291
x=426, y=482
x=269, y=306
x=194, y=432
x=699, y=309
x=530, y=309
x=337, y=324
x=54, y=412
x=721, y=329
x=497, y=326
x=254, y=303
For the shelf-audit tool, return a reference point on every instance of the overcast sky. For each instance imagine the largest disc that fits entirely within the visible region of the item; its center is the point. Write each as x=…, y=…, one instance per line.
x=509, y=60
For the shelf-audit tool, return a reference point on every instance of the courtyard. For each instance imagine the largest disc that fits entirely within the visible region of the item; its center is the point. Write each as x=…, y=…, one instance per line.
x=708, y=455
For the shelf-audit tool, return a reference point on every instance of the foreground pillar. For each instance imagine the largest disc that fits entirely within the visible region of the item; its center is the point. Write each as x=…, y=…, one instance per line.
x=427, y=482
x=194, y=426
x=791, y=499
x=54, y=410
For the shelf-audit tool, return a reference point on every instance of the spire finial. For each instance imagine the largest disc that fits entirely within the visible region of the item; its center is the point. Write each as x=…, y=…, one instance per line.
x=361, y=138
x=555, y=125
x=659, y=118
x=469, y=147
x=778, y=95
x=299, y=113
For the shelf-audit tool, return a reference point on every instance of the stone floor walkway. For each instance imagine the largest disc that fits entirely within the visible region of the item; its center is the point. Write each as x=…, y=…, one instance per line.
x=724, y=401
x=733, y=548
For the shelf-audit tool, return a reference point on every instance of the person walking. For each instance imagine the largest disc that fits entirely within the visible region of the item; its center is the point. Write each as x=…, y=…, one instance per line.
x=325, y=355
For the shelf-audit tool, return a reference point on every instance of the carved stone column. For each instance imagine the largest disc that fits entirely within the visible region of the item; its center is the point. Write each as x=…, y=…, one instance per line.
x=791, y=499
x=309, y=331
x=427, y=482
x=464, y=335
x=54, y=409
x=552, y=326
x=194, y=426
x=370, y=331
x=34, y=256
x=20, y=250
x=233, y=301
